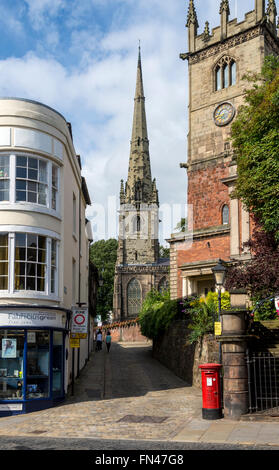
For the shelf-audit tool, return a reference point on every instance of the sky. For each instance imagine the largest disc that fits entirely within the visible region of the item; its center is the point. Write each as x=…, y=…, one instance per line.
x=80, y=57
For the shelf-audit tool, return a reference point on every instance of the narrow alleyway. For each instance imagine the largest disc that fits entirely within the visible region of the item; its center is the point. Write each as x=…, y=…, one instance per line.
x=123, y=394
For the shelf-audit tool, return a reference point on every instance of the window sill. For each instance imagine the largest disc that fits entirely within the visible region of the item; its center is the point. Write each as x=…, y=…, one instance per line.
x=29, y=295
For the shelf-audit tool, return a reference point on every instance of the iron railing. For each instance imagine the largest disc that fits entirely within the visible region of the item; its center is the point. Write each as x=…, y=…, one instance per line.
x=263, y=382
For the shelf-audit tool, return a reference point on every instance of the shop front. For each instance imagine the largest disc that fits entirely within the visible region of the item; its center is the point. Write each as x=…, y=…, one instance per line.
x=32, y=358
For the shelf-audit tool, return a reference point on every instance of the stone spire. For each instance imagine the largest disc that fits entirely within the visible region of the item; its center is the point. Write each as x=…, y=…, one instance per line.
x=139, y=183
x=224, y=12
x=192, y=15
x=192, y=25
x=271, y=14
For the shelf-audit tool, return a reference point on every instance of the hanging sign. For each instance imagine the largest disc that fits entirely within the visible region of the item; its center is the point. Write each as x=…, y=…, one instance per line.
x=79, y=320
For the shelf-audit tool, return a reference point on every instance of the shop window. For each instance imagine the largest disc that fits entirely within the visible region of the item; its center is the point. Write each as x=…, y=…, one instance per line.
x=134, y=297
x=4, y=263
x=31, y=180
x=225, y=73
x=37, y=380
x=57, y=364
x=30, y=262
x=11, y=364
x=4, y=178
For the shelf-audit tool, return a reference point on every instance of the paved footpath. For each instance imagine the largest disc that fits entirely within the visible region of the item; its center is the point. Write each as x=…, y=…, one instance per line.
x=126, y=394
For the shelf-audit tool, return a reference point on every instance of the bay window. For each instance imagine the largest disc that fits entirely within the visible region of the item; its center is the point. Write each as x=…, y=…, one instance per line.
x=29, y=179
x=30, y=261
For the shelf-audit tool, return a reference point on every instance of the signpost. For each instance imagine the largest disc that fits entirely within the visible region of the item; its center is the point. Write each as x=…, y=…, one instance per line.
x=80, y=321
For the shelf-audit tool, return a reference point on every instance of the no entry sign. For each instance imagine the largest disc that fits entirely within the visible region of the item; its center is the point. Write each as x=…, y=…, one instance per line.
x=79, y=320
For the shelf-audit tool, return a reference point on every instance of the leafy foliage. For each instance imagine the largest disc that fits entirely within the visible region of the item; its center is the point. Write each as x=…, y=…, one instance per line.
x=103, y=254
x=157, y=312
x=203, y=312
x=255, y=135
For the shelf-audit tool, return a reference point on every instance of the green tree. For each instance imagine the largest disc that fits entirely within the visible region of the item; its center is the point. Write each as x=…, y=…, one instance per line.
x=255, y=136
x=103, y=254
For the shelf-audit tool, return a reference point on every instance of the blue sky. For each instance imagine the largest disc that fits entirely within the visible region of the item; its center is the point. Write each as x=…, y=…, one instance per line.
x=80, y=57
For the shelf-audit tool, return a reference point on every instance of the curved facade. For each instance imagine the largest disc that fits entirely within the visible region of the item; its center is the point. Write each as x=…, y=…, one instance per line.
x=44, y=248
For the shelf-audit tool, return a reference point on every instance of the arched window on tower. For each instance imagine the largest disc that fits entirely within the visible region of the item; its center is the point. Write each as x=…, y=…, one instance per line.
x=134, y=297
x=136, y=224
x=224, y=73
x=225, y=215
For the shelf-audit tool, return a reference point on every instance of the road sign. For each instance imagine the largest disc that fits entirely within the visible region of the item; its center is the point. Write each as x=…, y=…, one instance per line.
x=78, y=335
x=74, y=343
x=79, y=320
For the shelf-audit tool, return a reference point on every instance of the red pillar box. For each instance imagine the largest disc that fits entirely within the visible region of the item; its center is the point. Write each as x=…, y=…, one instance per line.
x=211, y=391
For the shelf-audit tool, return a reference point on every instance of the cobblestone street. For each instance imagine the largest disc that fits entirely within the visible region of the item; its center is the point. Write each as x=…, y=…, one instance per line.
x=124, y=394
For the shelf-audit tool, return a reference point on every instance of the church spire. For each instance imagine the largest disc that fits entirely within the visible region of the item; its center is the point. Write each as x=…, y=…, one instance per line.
x=139, y=183
x=271, y=14
x=192, y=25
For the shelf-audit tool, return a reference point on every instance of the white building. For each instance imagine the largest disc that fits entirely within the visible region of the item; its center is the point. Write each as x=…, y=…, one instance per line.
x=44, y=255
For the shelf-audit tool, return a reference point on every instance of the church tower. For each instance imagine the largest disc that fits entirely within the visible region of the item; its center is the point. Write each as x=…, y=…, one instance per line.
x=138, y=266
x=217, y=61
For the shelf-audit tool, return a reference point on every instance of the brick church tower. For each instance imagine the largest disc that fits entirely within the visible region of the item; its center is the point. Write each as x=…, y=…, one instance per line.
x=217, y=61
x=138, y=267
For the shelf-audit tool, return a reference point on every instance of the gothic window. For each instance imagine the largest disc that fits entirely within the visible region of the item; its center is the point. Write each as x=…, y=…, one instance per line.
x=163, y=285
x=138, y=191
x=224, y=73
x=134, y=297
x=225, y=215
x=136, y=224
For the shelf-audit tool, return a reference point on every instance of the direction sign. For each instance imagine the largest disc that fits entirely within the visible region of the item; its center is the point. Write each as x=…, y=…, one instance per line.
x=79, y=320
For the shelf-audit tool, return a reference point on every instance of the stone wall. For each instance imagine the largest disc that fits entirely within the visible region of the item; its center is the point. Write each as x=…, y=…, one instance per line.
x=129, y=334
x=175, y=352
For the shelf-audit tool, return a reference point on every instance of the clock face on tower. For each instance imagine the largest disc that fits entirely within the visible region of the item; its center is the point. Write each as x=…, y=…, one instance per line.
x=223, y=114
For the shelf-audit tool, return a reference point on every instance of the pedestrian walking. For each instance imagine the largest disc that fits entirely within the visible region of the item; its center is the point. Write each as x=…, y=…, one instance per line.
x=108, y=340
x=99, y=339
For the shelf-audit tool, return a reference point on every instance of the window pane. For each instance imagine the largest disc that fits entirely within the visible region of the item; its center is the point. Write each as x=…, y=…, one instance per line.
x=32, y=174
x=3, y=282
x=21, y=184
x=42, y=194
x=32, y=240
x=11, y=364
x=31, y=197
x=20, y=239
x=226, y=76
x=32, y=162
x=134, y=297
x=4, y=269
x=3, y=253
x=21, y=161
x=20, y=196
x=21, y=172
x=225, y=215
x=233, y=73
x=4, y=184
x=43, y=171
x=38, y=365
x=218, y=79
x=3, y=239
x=30, y=283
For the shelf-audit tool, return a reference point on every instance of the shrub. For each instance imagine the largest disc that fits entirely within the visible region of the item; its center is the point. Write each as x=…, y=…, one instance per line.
x=157, y=312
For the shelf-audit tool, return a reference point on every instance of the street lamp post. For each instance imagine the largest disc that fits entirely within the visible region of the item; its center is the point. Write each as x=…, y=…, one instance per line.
x=219, y=272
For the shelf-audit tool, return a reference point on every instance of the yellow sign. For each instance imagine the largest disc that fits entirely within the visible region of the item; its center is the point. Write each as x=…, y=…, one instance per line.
x=78, y=335
x=74, y=343
x=217, y=328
